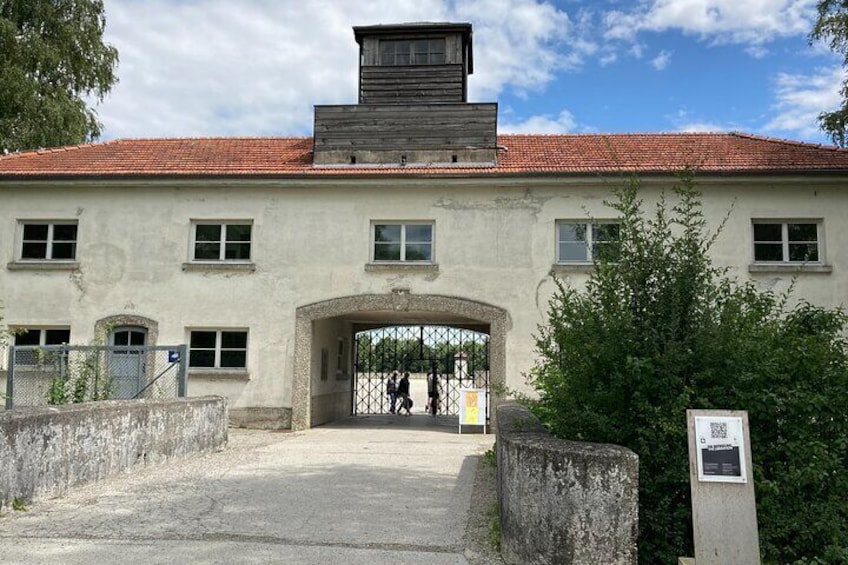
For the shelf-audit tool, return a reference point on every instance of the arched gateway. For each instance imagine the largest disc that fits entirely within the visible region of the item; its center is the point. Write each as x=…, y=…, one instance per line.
x=339, y=318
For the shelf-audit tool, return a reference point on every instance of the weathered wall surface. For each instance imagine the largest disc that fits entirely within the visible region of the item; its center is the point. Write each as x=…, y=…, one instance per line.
x=494, y=243
x=561, y=501
x=45, y=451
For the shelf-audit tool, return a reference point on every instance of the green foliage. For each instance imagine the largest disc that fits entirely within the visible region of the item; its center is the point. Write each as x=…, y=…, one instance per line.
x=388, y=354
x=18, y=505
x=832, y=28
x=495, y=527
x=490, y=457
x=84, y=380
x=52, y=57
x=662, y=331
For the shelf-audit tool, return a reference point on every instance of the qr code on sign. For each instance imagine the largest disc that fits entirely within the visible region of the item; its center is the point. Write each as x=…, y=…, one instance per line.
x=718, y=430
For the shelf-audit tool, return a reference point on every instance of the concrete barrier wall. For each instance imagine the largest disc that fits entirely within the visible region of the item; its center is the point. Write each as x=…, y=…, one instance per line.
x=561, y=501
x=45, y=451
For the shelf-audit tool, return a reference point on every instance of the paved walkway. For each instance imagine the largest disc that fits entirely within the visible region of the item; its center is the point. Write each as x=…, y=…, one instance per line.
x=366, y=490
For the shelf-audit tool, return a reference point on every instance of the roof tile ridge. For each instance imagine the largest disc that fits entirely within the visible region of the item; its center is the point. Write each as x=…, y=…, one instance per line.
x=217, y=137
x=784, y=141
x=622, y=134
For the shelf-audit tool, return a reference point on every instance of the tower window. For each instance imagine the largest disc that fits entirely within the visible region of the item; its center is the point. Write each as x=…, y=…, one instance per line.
x=412, y=52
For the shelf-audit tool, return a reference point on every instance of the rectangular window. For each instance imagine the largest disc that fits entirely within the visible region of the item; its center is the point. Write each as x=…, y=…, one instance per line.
x=42, y=336
x=50, y=241
x=585, y=242
x=221, y=241
x=403, y=242
x=787, y=242
x=395, y=53
x=218, y=349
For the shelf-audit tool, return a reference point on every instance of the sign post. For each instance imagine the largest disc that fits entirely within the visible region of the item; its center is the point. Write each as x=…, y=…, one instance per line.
x=724, y=511
x=472, y=407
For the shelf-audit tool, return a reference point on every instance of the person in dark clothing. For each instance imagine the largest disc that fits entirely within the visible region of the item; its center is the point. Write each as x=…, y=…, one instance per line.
x=391, y=391
x=433, y=391
x=403, y=394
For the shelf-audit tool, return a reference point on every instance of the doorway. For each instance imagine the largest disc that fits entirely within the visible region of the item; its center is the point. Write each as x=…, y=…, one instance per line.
x=127, y=363
x=317, y=324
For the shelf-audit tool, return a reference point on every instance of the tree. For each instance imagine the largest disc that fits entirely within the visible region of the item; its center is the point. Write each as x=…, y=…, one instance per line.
x=662, y=330
x=52, y=57
x=832, y=28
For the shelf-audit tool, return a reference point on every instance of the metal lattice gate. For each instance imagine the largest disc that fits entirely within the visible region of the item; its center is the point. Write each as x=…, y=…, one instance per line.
x=460, y=357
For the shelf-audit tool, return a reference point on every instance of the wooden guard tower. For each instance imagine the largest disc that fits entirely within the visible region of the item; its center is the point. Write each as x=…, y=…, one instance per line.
x=413, y=103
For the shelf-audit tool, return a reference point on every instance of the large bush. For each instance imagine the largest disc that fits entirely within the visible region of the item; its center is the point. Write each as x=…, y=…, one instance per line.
x=659, y=330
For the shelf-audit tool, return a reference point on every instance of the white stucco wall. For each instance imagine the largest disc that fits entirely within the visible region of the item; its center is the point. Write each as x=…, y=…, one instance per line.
x=494, y=243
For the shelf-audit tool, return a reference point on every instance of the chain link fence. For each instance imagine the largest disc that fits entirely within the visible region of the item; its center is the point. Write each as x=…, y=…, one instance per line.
x=64, y=374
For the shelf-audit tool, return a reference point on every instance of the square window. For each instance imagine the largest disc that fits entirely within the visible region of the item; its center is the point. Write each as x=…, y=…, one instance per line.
x=222, y=241
x=48, y=241
x=403, y=242
x=218, y=349
x=585, y=242
x=787, y=242
x=418, y=52
x=42, y=336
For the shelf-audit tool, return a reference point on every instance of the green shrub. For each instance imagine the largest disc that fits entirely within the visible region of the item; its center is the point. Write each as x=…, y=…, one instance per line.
x=663, y=330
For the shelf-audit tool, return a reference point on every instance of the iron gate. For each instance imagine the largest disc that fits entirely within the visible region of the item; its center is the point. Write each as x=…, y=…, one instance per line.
x=460, y=357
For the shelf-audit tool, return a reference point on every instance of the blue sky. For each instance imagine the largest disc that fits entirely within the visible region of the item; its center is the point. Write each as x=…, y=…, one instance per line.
x=197, y=68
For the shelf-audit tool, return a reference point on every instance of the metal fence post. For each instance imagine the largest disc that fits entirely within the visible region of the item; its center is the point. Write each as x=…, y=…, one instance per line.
x=182, y=387
x=10, y=378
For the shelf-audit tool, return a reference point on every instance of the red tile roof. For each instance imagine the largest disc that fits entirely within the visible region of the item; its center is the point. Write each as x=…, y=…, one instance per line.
x=518, y=155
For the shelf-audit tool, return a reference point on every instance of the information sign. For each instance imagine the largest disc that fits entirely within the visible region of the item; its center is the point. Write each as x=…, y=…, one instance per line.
x=472, y=407
x=720, y=445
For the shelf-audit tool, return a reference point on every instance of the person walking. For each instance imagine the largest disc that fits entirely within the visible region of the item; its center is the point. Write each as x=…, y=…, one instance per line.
x=403, y=394
x=433, y=391
x=391, y=391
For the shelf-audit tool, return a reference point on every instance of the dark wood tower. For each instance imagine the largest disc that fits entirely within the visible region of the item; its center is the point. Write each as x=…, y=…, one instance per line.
x=413, y=102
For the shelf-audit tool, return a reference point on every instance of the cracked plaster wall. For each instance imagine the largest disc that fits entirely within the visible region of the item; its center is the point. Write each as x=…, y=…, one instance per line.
x=494, y=245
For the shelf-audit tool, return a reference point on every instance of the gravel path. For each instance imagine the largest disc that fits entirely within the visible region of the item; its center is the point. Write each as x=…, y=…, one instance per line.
x=393, y=493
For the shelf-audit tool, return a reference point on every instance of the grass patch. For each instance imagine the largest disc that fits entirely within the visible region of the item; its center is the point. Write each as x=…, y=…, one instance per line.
x=495, y=527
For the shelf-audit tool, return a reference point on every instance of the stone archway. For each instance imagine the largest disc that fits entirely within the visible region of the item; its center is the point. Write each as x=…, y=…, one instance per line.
x=103, y=326
x=398, y=302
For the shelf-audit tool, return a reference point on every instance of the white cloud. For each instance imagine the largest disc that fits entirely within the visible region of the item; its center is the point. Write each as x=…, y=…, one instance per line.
x=661, y=61
x=702, y=127
x=607, y=58
x=520, y=44
x=254, y=67
x=562, y=123
x=756, y=51
x=684, y=121
x=801, y=98
x=717, y=21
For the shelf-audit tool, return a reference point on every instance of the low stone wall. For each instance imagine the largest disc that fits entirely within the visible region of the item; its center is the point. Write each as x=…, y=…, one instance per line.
x=561, y=501
x=44, y=451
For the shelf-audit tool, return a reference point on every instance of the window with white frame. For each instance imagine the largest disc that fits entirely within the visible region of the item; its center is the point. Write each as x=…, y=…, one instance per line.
x=48, y=241
x=35, y=339
x=797, y=241
x=585, y=242
x=221, y=241
x=402, y=242
x=42, y=336
x=217, y=349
